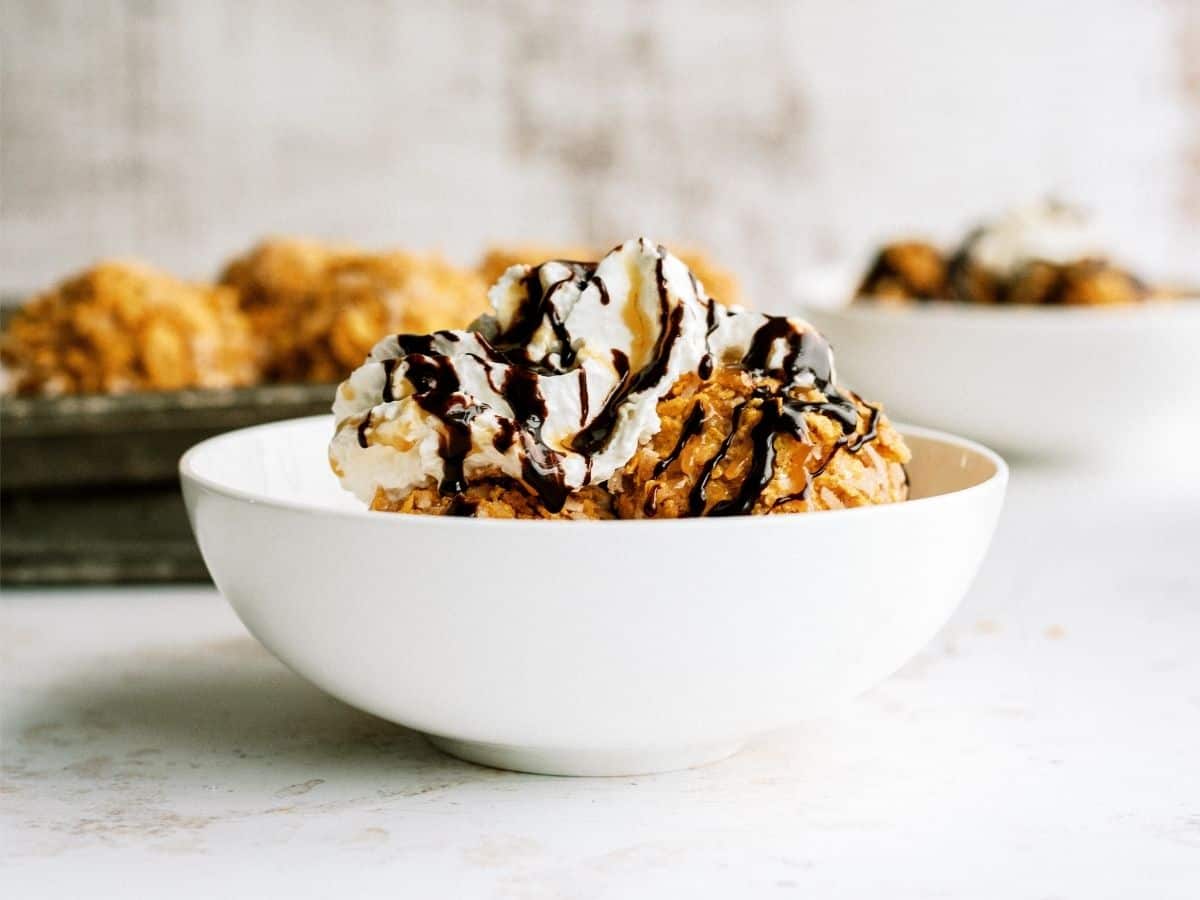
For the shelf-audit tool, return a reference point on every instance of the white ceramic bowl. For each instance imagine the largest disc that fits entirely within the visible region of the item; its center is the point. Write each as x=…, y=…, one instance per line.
x=584, y=647
x=1071, y=383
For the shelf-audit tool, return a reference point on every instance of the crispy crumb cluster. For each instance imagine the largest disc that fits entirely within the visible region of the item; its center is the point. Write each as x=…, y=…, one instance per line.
x=320, y=308
x=718, y=281
x=123, y=326
x=907, y=270
x=829, y=470
x=500, y=499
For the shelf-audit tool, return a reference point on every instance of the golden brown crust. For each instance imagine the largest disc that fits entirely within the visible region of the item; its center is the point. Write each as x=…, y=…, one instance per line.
x=1098, y=283
x=322, y=307
x=718, y=281
x=874, y=474
x=500, y=499
x=871, y=474
x=124, y=326
x=907, y=270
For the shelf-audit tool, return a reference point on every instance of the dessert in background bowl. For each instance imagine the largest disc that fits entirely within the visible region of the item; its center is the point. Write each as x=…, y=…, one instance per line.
x=607, y=398
x=1045, y=255
x=1027, y=336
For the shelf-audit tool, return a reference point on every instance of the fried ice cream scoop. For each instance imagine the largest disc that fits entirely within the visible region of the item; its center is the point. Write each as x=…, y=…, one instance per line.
x=741, y=443
x=617, y=387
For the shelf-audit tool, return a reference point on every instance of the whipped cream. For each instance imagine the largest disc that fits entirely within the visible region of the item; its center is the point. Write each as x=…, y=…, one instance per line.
x=559, y=386
x=1048, y=231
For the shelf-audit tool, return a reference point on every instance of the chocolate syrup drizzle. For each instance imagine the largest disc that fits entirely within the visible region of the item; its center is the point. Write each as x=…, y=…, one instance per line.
x=436, y=389
x=691, y=427
x=806, y=361
x=596, y=436
x=806, y=358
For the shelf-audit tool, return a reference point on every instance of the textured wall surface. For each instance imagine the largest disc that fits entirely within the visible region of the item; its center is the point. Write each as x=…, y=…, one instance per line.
x=781, y=134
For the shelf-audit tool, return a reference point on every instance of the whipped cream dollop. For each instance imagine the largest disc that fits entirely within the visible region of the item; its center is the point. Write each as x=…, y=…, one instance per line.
x=559, y=386
x=1048, y=231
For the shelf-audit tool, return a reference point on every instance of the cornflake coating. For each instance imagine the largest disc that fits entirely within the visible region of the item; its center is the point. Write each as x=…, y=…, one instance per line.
x=124, y=326
x=909, y=270
x=1089, y=282
x=321, y=307
x=718, y=281
x=500, y=499
x=694, y=446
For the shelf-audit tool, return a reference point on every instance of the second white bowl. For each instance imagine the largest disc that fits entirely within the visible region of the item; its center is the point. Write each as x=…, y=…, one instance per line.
x=1061, y=382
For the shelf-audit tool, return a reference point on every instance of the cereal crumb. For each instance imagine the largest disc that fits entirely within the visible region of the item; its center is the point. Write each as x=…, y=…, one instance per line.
x=124, y=326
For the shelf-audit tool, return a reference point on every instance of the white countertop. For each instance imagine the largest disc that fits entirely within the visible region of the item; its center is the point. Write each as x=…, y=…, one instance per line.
x=1045, y=745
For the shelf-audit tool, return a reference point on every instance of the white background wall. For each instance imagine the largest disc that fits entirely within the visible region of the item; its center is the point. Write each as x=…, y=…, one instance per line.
x=780, y=134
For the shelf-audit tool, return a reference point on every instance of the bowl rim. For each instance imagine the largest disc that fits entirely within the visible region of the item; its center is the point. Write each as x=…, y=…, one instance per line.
x=1157, y=310
x=189, y=474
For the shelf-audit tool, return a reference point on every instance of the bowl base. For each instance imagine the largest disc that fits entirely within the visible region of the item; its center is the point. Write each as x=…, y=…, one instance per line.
x=545, y=761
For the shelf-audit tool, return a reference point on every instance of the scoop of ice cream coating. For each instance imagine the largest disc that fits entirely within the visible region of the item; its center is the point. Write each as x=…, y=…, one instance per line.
x=908, y=270
x=501, y=499
x=1089, y=282
x=724, y=449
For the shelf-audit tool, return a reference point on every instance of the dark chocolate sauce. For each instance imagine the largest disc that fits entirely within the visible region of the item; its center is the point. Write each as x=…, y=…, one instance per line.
x=541, y=467
x=806, y=355
x=620, y=363
x=698, y=499
x=762, y=462
x=691, y=427
x=650, y=505
x=710, y=318
x=583, y=398
x=389, y=366
x=869, y=433
x=436, y=390
x=538, y=305
x=362, y=430
x=705, y=369
x=462, y=507
x=593, y=439
x=603, y=288
x=506, y=433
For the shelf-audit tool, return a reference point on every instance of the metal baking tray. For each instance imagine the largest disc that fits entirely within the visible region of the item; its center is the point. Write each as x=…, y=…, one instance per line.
x=89, y=490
